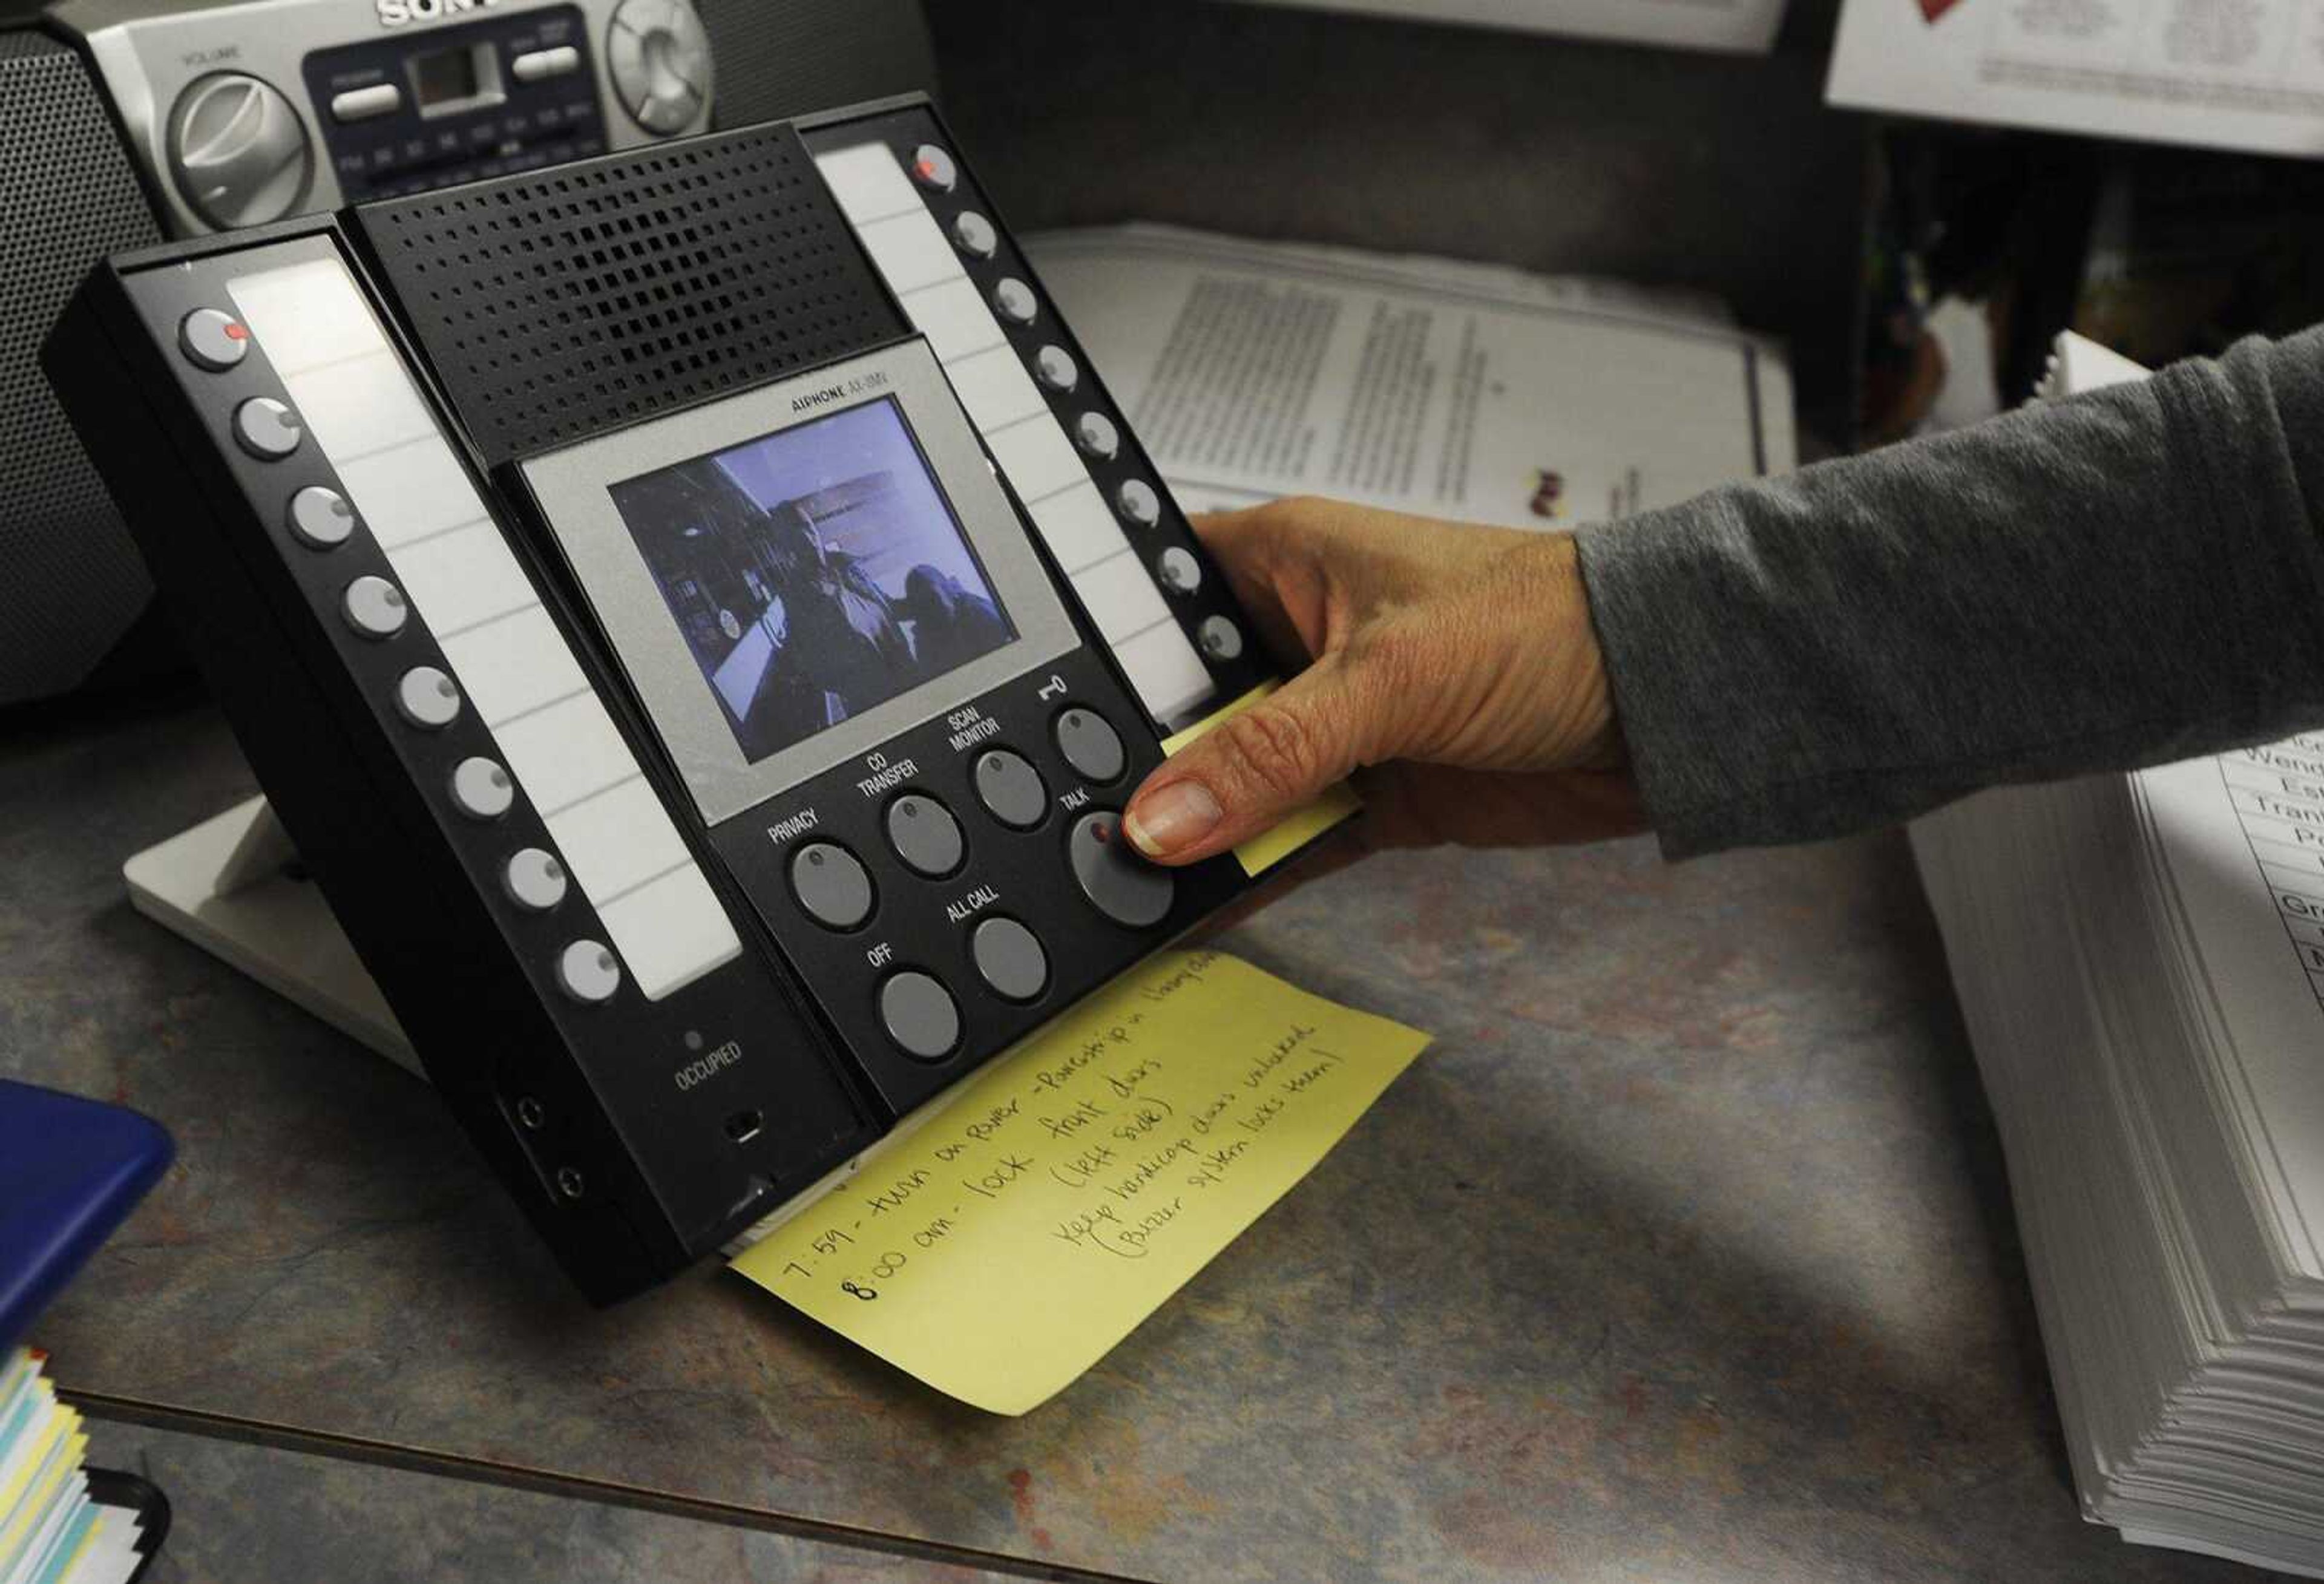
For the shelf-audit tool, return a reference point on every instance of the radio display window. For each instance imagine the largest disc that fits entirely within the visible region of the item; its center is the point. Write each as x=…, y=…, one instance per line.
x=814, y=573
x=460, y=77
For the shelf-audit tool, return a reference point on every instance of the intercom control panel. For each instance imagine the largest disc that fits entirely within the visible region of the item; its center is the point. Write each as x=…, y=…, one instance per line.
x=699, y=615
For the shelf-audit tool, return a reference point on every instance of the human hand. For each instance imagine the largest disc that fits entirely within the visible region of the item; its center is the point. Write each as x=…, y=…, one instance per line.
x=1455, y=664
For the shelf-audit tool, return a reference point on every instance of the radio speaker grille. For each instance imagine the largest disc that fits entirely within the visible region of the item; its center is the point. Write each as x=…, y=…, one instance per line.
x=776, y=59
x=71, y=581
x=556, y=306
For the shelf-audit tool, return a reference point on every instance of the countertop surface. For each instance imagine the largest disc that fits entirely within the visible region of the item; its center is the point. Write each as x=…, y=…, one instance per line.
x=1684, y=1253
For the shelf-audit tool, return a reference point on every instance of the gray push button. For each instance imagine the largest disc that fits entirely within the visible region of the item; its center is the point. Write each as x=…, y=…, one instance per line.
x=375, y=607
x=934, y=168
x=832, y=885
x=320, y=518
x=1140, y=507
x=925, y=834
x=1177, y=570
x=1055, y=367
x=1014, y=301
x=1221, y=639
x=1090, y=745
x=540, y=65
x=213, y=339
x=1119, y=883
x=482, y=790
x=1009, y=958
x=380, y=98
x=427, y=698
x=973, y=235
x=919, y=1014
x=535, y=878
x=586, y=970
x=1009, y=785
x=267, y=428
x=1094, y=433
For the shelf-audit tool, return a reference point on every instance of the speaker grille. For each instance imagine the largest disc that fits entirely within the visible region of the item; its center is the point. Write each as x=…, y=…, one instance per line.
x=782, y=58
x=558, y=305
x=71, y=580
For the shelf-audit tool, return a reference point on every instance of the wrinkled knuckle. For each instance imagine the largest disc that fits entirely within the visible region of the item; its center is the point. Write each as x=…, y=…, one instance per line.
x=1272, y=749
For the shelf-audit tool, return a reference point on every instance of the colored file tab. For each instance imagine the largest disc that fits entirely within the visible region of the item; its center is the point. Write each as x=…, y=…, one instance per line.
x=1056, y=1201
x=1295, y=830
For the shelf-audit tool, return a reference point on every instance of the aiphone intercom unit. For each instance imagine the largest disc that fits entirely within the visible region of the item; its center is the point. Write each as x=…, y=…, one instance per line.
x=698, y=614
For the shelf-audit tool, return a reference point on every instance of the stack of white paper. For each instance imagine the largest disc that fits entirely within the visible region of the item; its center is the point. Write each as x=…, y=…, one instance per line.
x=2141, y=961
x=50, y=1531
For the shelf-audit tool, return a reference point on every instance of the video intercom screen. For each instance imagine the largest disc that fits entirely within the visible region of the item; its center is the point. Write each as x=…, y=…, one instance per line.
x=814, y=573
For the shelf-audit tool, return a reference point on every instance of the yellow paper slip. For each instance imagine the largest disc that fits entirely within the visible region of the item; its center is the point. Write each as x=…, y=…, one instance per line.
x=1062, y=1195
x=1293, y=830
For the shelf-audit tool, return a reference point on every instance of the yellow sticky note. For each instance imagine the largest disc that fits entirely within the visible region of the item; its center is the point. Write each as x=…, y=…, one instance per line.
x=1053, y=1203
x=1297, y=828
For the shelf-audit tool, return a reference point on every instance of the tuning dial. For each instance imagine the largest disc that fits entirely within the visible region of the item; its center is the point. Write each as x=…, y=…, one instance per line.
x=660, y=61
x=238, y=150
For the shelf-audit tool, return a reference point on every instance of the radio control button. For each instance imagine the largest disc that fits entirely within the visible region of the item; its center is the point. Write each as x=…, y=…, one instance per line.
x=238, y=150
x=587, y=971
x=375, y=607
x=1011, y=788
x=1177, y=570
x=213, y=339
x=267, y=428
x=1009, y=958
x=1141, y=506
x=380, y=98
x=832, y=884
x=920, y=1015
x=1055, y=367
x=482, y=790
x=973, y=235
x=924, y=836
x=1117, y=881
x=1220, y=639
x=539, y=65
x=320, y=519
x=1016, y=302
x=1091, y=746
x=1094, y=433
x=534, y=878
x=933, y=168
x=659, y=59
x=428, y=698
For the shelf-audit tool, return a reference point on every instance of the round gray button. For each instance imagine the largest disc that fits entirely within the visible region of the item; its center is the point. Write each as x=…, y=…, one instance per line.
x=375, y=607
x=934, y=168
x=1118, y=882
x=1090, y=745
x=482, y=790
x=973, y=235
x=1009, y=785
x=1055, y=367
x=1221, y=639
x=535, y=878
x=427, y=698
x=919, y=1014
x=267, y=428
x=213, y=339
x=1138, y=504
x=832, y=885
x=321, y=519
x=1014, y=301
x=1094, y=433
x=924, y=834
x=1009, y=958
x=586, y=970
x=1177, y=570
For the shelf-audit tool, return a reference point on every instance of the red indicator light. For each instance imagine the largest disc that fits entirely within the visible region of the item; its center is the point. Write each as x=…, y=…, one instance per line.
x=236, y=332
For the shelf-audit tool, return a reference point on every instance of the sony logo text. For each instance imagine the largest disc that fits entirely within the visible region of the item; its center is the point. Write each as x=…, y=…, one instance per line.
x=396, y=13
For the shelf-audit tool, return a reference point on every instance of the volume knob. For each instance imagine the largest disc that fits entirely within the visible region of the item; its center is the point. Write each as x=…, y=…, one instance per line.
x=238, y=150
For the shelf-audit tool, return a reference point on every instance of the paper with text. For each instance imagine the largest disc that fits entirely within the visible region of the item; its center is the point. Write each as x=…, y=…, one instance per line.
x=1293, y=830
x=1057, y=1199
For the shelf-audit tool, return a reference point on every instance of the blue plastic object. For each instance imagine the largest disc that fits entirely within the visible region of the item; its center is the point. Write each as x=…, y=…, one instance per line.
x=71, y=1171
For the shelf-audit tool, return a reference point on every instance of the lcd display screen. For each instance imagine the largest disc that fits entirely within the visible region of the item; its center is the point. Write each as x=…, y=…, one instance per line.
x=814, y=573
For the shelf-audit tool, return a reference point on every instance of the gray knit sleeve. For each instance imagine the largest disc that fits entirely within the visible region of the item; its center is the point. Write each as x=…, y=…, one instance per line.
x=2122, y=579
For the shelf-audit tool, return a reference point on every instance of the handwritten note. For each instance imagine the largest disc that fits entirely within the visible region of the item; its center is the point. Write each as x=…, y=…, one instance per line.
x=1061, y=1196
x=1295, y=830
